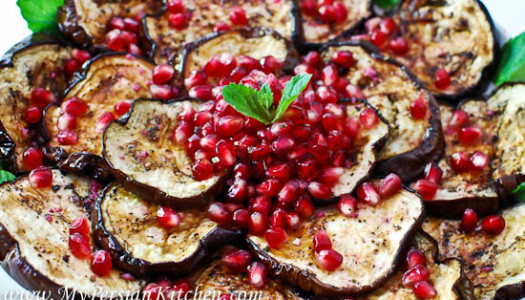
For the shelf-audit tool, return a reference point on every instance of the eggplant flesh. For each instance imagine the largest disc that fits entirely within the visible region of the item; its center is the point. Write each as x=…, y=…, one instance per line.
x=143, y=154
x=456, y=35
x=35, y=233
x=277, y=15
x=378, y=237
x=388, y=87
x=494, y=264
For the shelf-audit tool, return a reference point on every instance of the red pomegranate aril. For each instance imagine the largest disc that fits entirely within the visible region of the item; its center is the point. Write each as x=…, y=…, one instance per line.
x=418, y=108
x=209, y=142
x=248, y=63
x=177, y=21
x=180, y=288
x=79, y=246
x=352, y=127
x=433, y=173
x=114, y=40
x=277, y=218
x=182, y=133
x=458, y=119
x=347, y=206
x=176, y=6
x=195, y=78
x=202, y=117
x=399, y=46
x=101, y=263
x=424, y=290
x=162, y=74
x=343, y=59
x=66, y=122
x=493, y=224
x=80, y=226
x=378, y=38
x=237, y=261
x=426, y=188
x=259, y=152
x=309, y=7
x=330, y=176
x=304, y=207
x=238, y=191
x=152, y=291
x=321, y=241
x=71, y=66
x=319, y=191
x=460, y=162
x=329, y=260
x=330, y=122
x=352, y=91
x=67, y=138
x=202, y=154
x=281, y=172
x=162, y=92
x=368, y=194
x=230, y=125
x=219, y=214
x=41, y=97
x=32, y=114
x=270, y=64
x=81, y=55
x=292, y=221
x=168, y=218
x=415, y=274
x=258, y=223
x=261, y=204
x=388, y=26
x=103, y=121
x=390, y=185
x=326, y=94
x=469, y=135
x=202, y=170
x=131, y=25
x=469, y=220
x=241, y=218
x=318, y=147
x=201, y=92
x=479, y=160
x=221, y=26
x=32, y=158
x=341, y=12
x=369, y=118
x=281, y=128
x=327, y=13
x=241, y=170
x=269, y=187
x=257, y=273
x=135, y=50
x=441, y=79
x=117, y=23
x=226, y=152
x=288, y=193
x=306, y=169
x=283, y=145
x=74, y=106
x=122, y=107
x=330, y=75
x=238, y=16
x=313, y=57
x=275, y=237
x=415, y=257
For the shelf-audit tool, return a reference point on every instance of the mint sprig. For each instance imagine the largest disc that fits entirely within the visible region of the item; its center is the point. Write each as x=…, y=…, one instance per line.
x=519, y=192
x=6, y=176
x=512, y=65
x=386, y=4
x=40, y=15
x=259, y=104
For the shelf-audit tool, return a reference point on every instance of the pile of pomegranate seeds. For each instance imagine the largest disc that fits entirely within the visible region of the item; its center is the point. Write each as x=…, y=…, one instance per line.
x=178, y=17
x=327, y=258
x=327, y=11
x=79, y=57
x=122, y=35
x=384, y=33
x=165, y=288
x=417, y=277
x=161, y=78
x=427, y=186
x=71, y=110
x=39, y=99
x=493, y=224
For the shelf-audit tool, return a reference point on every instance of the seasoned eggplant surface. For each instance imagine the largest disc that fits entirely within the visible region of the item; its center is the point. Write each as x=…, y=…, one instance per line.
x=369, y=259
x=35, y=233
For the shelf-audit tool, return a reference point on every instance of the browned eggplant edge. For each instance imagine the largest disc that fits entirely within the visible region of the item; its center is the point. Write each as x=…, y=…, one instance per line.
x=309, y=284
x=125, y=261
x=150, y=193
x=511, y=292
x=409, y=165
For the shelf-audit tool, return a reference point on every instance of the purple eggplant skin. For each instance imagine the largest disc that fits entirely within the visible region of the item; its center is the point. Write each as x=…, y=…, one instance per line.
x=455, y=208
x=123, y=260
x=511, y=292
x=505, y=185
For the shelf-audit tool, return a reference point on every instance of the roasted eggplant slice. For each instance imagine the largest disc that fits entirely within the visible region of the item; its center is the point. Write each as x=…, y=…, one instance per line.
x=256, y=43
x=316, y=32
x=371, y=245
x=456, y=35
x=108, y=79
x=494, y=264
x=85, y=22
x=35, y=234
x=391, y=89
x=33, y=63
x=167, y=41
x=126, y=226
x=143, y=154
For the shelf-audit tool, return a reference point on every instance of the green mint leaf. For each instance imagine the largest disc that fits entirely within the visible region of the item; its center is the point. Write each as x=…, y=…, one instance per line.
x=291, y=91
x=519, y=192
x=6, y=176
x=266, y=96
x=512, y=65
x=248, y=102
x=40, y=15
x=386, y=4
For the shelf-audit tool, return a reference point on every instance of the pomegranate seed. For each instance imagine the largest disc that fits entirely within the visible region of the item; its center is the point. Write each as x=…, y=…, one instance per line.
x=74, y=107
x=341, y=12
x=101, y=263
x=226, y=152
x=352, y=127
x=318, y=147
x=79, y=246
x=261, y=205
x=322, y=241
x=277, y=218
x=479, y=160
x=32, y=114
x=493, y=224
x=182, y=133
x=71, y=66
x=177, y=21
x=80, y=226
x=306, y=169
x=348, y=206
x=283, y=145
x=241, y=218
x=248, y=63
x=388, y=26
x=326, y=94
x=460, y=162
x=230, y=125
x=209, y=142
x=469, y=220
x=219, y=214
x=202, y=118
x=458, y=119
x=258, y=223
x=424, y=290
x=329, y=260
x=330, y=122
x=469, y=135
x=202, y=170
x=257, y=274
x=135, y=50
x=238, y=16
x=187, y=112
x=399, y=46
x=372, y=24
x=176, y=6
x=201, y=92
x=292, y=221
x=276, y=237
x=433, y=173
x=162, y=74
x=378, y=38
x=330, y=176
x=41, y=98
x=352, y=91
x=117, y=23
x=390, y=185
x=131, y=25
x=67, y=138
x=122, y=107
x=103, y=121
x=418, y=108
x=426, y=188
x=312, y=58
x=309, y=7
x=168, y=218
x=415, y=274
x=114, y=40
x=368, y=194
x=66, y=122
x=441, y=79
x=259, y=152
x=32, y=158
x=304, y=207
x=330, y=75
x=238, y=191
x=327, y=13
x=151, y=291
x=368, y=118
x=221, y=26
x=237, y=261
x=319, y=191
x=179, y=289
x=344, y=59
x=162, y=92
x=415, y=257
x=270, y=64
x=241, y=171
x=288, y=192
x=81, y=55
x=195, y=78
x=269, y=187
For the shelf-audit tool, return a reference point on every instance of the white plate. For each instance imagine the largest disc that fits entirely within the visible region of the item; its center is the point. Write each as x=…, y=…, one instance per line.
x=507, y=14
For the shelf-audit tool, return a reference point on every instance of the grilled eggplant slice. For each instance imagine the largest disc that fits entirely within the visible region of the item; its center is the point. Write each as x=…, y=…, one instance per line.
x=457, y=35
x=378, y=237
x=34, y=236
x=142, y=153
x=391, y=89
x=108, y=79
x=166, y=42
x=35, y=62
x=85, y=22
x=316, y=32
x=126, y=226
x=494, y=264
x=256, y=43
